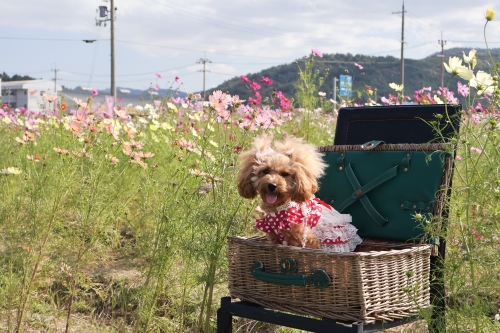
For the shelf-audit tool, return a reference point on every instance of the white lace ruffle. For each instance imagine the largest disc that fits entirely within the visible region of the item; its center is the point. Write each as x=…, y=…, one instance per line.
x=347, y=247
x=333, y=225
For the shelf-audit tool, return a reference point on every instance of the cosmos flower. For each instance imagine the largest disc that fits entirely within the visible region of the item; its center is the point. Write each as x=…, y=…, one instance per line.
x=158, y=75
x=267, y=80
x=94, y=92
x=475, y=150
x=471, y=58
x=462, y=89
x=50, y=98
x=358, y=65
x=245, y=79
x=317, y=52
x=483, y=82
x=455, y=67
x=396, y=87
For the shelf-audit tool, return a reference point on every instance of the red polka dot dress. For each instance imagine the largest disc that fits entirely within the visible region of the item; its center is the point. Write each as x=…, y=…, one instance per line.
x=333, y=229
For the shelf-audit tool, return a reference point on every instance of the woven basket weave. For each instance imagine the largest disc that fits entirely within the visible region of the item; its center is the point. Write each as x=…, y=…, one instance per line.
x=379, y=281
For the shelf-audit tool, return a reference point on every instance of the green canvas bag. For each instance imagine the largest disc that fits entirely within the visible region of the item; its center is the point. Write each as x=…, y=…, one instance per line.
x=384, y=186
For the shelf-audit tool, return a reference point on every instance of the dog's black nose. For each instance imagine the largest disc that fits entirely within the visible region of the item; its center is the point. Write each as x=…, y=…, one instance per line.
x=271, y=187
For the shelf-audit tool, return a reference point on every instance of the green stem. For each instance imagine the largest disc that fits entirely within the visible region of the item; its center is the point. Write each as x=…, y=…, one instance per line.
x=486, y=42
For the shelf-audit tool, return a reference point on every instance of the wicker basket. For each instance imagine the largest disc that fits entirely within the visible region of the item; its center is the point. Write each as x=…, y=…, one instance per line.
x=381, y=280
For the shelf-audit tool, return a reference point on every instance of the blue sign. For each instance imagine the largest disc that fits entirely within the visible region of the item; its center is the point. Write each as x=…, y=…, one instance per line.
x=345, y=85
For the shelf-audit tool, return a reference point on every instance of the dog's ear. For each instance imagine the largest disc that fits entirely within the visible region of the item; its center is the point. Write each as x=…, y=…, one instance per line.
x=245, y=174
x=306, y=184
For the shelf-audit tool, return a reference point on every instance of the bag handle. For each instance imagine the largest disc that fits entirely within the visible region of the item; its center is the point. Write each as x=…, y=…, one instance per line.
x=319, y=278
x=371, y=144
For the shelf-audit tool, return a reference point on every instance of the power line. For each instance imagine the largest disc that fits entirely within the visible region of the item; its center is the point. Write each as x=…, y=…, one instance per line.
x=195, y=50
x=52, y=39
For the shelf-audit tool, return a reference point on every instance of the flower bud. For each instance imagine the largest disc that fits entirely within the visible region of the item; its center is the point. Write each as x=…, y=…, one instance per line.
x=490, y=14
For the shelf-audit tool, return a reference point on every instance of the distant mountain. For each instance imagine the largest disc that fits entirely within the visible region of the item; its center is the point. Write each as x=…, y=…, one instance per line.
x=377, y=72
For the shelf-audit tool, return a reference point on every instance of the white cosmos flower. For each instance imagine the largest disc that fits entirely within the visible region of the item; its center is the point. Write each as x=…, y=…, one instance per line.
x=471, y=59
x=483, y=82
x=455, y=67
x=322, y=94
x=396, y=87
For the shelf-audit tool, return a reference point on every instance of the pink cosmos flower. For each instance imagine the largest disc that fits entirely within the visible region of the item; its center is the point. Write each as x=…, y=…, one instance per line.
x=267, y=80
x=317, y=52
x=462, y=89
x=245, y=79
x=75, y=127
x=475, y=150
x=475, y=118
x=219, y=101
x=387, y=101
x=264, y=120
x=157, y=87
x=255, y=86
x=158, y=75
x=235, y=100
x=94, y=92
x=177, y=79
x=50, y=98
x=358, y=65
x=459, y=158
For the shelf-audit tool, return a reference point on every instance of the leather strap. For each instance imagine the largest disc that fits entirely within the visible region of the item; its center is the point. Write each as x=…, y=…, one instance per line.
x=361, y=191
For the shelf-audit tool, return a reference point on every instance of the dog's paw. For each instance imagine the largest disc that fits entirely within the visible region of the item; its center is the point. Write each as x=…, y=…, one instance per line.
x=273, y=238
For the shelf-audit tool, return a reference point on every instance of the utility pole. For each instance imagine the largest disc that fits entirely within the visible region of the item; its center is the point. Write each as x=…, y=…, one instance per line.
x=204, y=62
x=113, y=74
x=55, y=70
x=402, y=46
x=103, y=17
x=443, y=43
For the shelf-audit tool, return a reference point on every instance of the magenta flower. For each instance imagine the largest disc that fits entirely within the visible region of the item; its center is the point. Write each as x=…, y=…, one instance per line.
x=462, y=89
x=358, y=65
x=317, y=52
x=245, y=79
x=254, y=85
x=177, y=79
x=267, y=80
x=158, y=75
x=94, y=92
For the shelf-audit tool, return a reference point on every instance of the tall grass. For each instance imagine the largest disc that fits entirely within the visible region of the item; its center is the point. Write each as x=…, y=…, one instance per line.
x=150, y=193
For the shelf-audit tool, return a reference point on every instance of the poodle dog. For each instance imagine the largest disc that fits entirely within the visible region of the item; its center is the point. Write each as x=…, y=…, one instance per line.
x=285, y=178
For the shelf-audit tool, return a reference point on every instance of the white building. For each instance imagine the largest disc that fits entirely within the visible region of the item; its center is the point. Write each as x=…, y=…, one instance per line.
x=27, y=94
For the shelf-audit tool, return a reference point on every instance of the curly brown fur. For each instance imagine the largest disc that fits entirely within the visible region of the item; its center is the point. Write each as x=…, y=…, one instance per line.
x=286, y=173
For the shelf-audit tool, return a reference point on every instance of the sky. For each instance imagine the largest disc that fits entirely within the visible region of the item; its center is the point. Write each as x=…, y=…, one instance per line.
x=236, y=37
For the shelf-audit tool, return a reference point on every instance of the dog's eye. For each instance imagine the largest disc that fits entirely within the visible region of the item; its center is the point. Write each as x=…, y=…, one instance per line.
x=266, y=171
x=284, y=174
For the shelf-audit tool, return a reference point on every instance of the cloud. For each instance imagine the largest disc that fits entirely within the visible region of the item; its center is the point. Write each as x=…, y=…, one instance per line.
x=154, y=35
